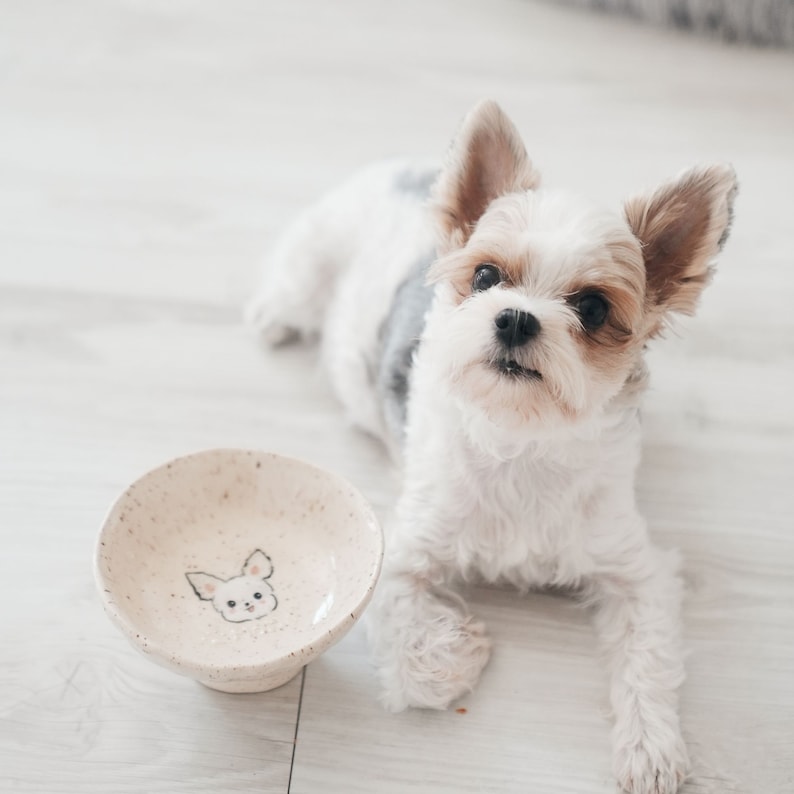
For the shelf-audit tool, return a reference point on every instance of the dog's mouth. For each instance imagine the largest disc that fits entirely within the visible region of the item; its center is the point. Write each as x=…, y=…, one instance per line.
x=512, y=369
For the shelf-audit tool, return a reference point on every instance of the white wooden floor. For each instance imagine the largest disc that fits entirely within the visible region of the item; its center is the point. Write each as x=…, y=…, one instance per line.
x=149, y=152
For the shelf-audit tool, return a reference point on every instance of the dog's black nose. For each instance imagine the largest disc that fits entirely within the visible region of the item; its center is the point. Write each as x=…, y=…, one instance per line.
x=515, y=328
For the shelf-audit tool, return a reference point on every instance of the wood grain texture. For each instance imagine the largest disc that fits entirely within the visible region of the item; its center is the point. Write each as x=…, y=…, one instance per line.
x=517, y=730
x=149, y=153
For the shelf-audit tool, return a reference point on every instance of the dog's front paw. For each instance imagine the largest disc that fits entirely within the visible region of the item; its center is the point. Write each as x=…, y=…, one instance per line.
x=439, y=664
x=647, y=767
x=428, y=652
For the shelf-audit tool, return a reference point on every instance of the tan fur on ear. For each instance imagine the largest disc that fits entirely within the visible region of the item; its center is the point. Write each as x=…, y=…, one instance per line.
x=682, y=226
x=487, y=160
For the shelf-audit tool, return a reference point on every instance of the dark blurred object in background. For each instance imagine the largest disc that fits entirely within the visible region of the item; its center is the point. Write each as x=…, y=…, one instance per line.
x=764, y=22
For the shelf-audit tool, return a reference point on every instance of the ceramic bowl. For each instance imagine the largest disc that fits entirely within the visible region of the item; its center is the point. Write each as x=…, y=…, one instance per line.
x=237, y=567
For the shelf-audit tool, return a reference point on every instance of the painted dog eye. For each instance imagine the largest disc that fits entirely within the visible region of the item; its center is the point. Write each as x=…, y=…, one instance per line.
x=593, y=309
x=231, y=603
x=485, y=277
x=257, y=596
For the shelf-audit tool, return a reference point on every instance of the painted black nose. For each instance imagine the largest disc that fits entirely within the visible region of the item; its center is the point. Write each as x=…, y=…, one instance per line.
x=515, y=328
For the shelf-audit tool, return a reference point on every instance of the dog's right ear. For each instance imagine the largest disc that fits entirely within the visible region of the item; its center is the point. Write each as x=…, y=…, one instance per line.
x=487, y=160
x=205, y=585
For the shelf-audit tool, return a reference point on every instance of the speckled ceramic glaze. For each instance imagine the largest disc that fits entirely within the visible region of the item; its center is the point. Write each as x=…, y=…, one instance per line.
x=237, y=567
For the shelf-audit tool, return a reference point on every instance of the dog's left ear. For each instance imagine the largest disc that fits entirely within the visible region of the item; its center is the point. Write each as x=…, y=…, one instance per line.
x=258, y=564
x=681, y=227
x=487, y=159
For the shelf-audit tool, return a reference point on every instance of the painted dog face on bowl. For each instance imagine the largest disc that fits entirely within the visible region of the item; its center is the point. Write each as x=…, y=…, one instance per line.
x=248, y=596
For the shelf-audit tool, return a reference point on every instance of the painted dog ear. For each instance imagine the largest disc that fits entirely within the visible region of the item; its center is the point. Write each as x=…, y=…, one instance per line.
x=205, y=585
x=259, y=565
x=487, y=159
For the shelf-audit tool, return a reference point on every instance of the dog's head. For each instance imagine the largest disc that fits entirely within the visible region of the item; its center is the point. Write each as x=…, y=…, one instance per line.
x=241, y=598
x=545, y=302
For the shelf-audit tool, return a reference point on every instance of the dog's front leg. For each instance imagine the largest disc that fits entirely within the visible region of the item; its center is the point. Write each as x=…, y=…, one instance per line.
x=427, y=647
x=638, y=596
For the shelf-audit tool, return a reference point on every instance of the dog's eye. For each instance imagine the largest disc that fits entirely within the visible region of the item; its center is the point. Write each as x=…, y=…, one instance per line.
x=593, y=309
x=485, y=277
x=257, y=596
x=231, y=603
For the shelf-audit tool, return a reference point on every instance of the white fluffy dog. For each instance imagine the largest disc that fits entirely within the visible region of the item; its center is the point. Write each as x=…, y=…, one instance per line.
x=492, y=333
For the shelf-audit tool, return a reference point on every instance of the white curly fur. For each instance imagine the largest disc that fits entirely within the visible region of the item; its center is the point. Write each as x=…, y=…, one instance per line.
x=525, y=482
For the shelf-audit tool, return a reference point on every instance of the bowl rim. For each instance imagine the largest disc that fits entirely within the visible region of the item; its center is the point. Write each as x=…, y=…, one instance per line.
x=301, y=655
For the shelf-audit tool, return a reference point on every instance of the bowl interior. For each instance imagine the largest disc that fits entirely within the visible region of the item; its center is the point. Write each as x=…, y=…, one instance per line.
x=236, y=558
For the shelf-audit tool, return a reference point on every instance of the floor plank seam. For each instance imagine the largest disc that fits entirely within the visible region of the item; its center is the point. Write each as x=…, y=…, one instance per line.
x=297, y=728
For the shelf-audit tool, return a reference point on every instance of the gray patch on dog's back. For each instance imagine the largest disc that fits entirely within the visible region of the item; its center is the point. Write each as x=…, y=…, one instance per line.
x=400, y=334
x=416, y=181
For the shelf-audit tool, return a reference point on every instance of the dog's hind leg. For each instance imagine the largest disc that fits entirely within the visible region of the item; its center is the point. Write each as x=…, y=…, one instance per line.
x=299, y=276
x=371, y=222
